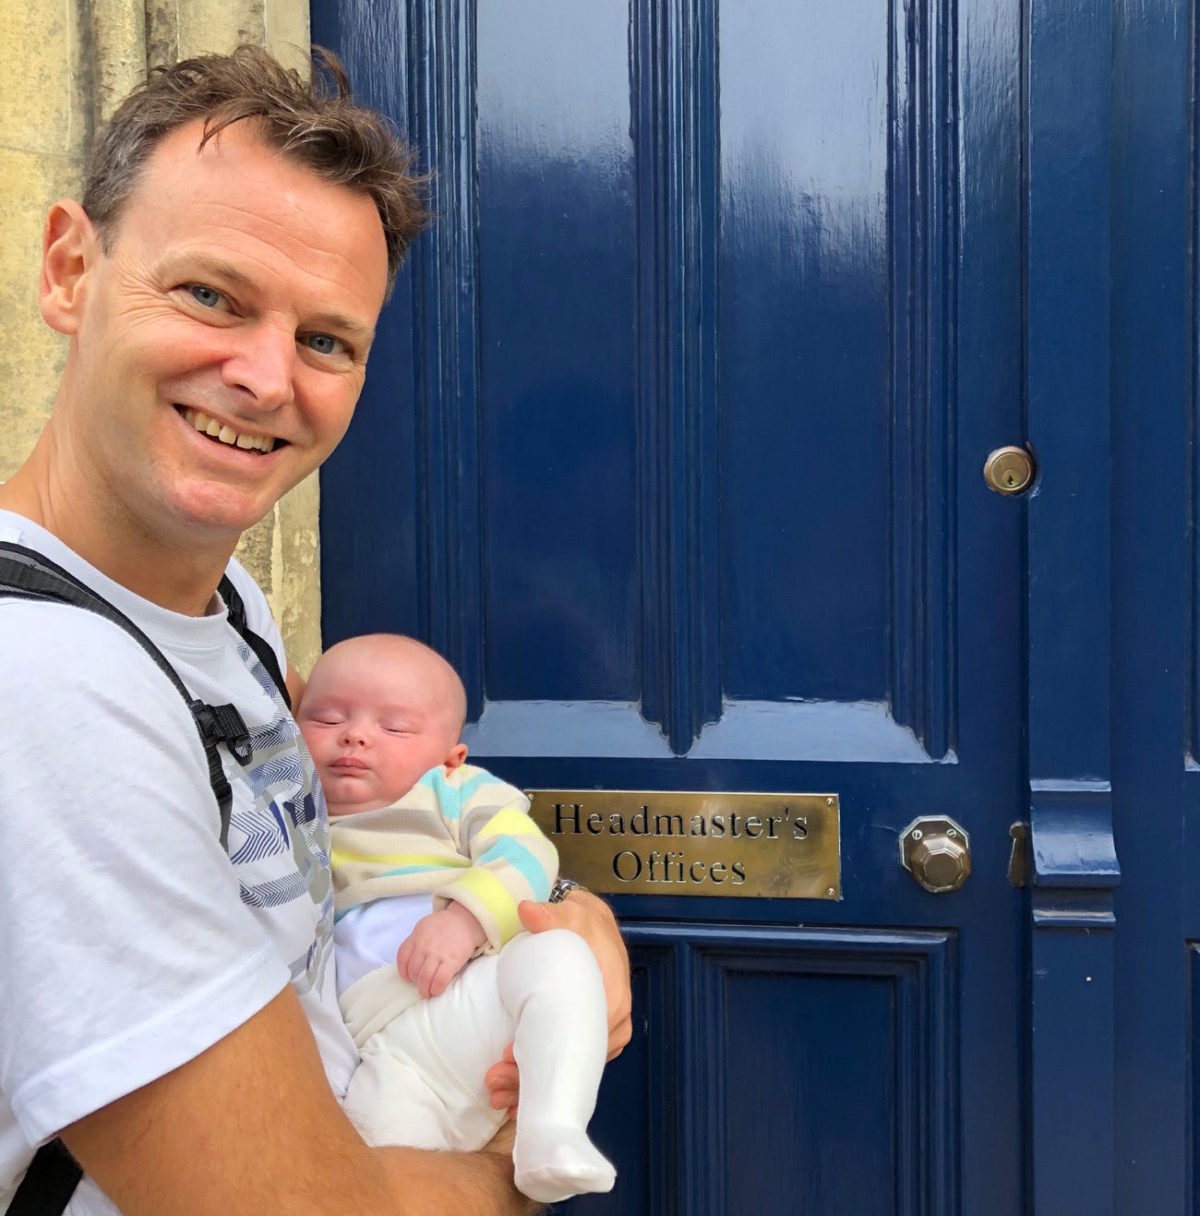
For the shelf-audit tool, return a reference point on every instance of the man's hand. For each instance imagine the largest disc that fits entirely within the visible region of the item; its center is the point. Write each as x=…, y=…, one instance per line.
x=590, y=917
x=438, y=948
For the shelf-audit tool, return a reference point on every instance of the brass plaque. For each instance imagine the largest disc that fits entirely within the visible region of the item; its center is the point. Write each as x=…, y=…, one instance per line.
x=666, y=842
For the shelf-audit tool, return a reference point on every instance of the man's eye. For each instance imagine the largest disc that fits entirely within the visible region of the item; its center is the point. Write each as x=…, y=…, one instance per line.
x=324, y=344
x=208, y=297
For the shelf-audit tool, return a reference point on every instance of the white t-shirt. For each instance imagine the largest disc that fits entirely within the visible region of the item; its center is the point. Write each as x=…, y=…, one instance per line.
x=129, y=943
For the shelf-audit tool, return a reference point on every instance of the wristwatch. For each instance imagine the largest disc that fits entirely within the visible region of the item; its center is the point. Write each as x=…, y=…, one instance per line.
x=562, y=888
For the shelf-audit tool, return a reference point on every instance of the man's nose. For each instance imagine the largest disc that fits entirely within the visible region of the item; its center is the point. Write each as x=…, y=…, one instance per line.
x=263, y=365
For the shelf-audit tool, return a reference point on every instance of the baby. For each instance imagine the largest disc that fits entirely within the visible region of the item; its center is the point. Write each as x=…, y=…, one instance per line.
x=431, y=857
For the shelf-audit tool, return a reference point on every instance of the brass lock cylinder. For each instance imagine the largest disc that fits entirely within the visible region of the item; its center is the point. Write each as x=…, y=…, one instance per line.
x=1009, y=470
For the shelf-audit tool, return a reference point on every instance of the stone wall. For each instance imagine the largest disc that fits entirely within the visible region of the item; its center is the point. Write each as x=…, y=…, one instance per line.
x=62, y=69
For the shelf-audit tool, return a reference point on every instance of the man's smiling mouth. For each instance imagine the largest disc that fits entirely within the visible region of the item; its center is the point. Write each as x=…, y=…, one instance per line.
x=224, y=433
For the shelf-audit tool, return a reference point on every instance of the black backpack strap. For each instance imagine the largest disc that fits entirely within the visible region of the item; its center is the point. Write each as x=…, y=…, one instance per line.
x=48, y=1184
x=29, y=575
x=261, y=647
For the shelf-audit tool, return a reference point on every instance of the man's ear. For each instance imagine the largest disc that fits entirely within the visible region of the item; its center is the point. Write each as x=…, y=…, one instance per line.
x=458, y=753
x=69, y=245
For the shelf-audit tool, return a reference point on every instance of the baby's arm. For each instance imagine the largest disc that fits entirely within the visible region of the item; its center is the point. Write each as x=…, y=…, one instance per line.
x=511, y=860
x=438, y=948
x=476, y=910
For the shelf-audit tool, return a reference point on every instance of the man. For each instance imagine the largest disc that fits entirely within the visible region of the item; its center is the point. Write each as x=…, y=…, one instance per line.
x=170, y=1013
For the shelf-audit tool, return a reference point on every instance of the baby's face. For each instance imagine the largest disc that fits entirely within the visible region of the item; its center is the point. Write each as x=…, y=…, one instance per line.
x=376, y=717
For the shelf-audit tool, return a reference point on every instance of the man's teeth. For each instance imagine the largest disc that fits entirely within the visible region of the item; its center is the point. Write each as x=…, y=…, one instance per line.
x=226, y=434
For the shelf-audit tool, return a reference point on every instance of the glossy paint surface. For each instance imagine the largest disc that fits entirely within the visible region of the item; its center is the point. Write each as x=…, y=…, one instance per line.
x=721, y=315
x=1075, y=868
x=1156, y=784
x=557, y=256
x=803, y=351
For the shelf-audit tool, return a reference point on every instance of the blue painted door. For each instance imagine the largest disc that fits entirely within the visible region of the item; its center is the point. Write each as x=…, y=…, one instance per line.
x=673, y=443
x=1156, y=605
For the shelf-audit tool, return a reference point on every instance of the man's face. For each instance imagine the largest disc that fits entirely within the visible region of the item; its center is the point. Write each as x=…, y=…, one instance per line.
x=221, y=344
x=376, y=716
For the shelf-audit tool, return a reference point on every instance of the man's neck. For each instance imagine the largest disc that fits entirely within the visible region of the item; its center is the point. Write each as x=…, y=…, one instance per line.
x=182, y=578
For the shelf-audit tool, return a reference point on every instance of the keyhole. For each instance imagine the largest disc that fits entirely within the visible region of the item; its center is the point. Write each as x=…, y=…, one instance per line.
x=1008, y=470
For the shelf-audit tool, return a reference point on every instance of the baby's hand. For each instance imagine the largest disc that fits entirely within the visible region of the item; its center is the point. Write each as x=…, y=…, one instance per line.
x=438, y=947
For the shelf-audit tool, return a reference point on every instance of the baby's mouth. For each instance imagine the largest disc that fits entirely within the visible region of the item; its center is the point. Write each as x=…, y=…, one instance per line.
x=223, y=433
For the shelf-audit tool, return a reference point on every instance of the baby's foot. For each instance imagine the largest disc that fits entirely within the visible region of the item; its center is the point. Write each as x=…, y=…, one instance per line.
x=554, y=1163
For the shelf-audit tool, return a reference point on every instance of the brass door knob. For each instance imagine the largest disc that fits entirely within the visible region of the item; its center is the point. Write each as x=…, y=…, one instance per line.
x=937, y=853
x=1009, y=470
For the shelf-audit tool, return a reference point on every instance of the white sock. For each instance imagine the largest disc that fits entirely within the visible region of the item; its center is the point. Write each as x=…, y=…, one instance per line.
x=554, y=1163
x=551, y=986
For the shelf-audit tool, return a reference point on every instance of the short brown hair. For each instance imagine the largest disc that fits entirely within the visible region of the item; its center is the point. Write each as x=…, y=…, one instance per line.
x=317, y=124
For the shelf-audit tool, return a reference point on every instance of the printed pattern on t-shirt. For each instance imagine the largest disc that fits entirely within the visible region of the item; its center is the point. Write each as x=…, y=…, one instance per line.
x=279, y=834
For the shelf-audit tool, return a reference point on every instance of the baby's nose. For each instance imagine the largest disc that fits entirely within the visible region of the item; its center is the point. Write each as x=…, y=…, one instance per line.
x=353, y=733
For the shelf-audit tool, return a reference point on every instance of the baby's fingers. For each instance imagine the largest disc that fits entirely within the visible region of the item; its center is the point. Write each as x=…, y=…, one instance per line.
x=412, y=962
x=503, y=1083
x=423, y=974
x=404, y=958
x=446, y=971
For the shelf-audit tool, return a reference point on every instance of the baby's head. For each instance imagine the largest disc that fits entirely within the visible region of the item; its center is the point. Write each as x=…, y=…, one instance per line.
x=378, y=712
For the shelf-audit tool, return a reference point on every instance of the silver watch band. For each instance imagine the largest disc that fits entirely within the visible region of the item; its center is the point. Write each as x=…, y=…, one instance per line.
x=562, y=888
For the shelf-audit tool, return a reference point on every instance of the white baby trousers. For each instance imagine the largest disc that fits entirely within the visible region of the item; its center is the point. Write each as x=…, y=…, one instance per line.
x=420, y=1082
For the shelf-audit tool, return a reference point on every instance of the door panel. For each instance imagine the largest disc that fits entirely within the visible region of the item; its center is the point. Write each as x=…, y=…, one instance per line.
x=681, y=469
x=841, y=1098
x=803, y=350
x=820, y=1074
x=556, y=254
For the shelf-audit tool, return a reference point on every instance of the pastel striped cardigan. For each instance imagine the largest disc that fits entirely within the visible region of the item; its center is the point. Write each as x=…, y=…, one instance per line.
x=467, y=837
